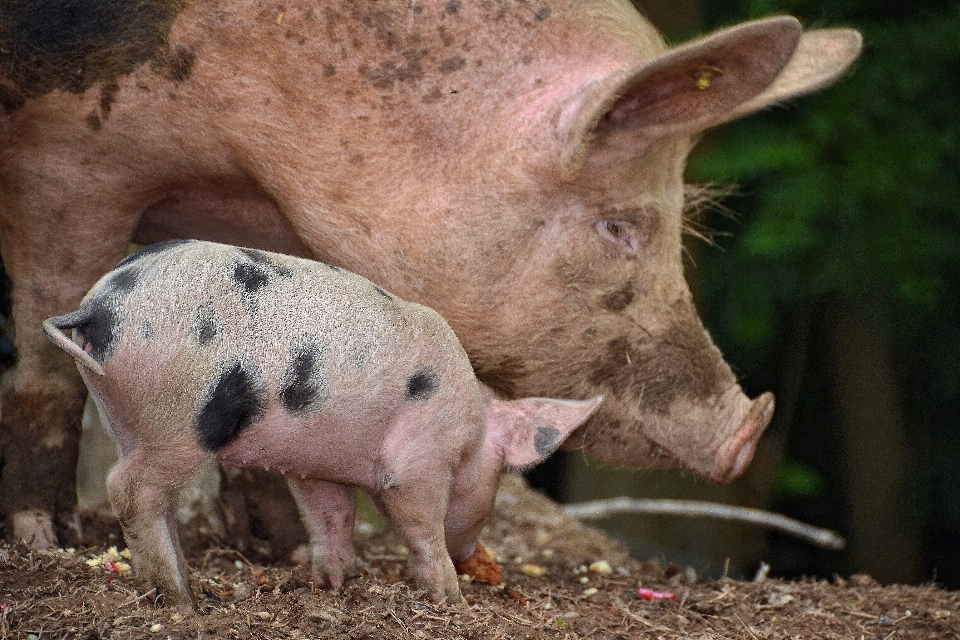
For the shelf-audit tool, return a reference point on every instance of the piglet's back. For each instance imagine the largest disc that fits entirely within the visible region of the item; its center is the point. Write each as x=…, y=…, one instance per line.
x=210, y=330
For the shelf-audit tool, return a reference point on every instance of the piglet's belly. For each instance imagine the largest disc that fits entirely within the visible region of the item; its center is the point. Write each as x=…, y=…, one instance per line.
x=304, y=453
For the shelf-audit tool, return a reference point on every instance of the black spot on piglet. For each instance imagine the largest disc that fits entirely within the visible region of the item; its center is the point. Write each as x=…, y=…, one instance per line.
x=236, y=400
x=422, y=384
x=264, y=260
x=97, y=327
x=123, y=281
x=206, y=323
x=303, y=386
x=251, y=277
x=256, y=270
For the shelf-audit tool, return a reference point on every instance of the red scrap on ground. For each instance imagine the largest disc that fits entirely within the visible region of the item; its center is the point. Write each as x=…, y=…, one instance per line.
x=650, y=594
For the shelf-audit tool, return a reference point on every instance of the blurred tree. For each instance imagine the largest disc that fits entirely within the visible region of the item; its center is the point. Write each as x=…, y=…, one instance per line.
x=851, y=216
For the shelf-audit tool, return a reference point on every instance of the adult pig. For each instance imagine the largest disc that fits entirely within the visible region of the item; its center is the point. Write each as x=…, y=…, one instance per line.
x=194, y=351
x=517, y=166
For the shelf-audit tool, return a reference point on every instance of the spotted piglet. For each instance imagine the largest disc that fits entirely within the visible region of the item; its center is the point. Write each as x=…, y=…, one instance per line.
x=195, y=351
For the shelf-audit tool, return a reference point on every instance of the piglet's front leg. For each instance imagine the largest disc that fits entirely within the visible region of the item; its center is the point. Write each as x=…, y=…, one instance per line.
x=416, y=509
x=328, y=511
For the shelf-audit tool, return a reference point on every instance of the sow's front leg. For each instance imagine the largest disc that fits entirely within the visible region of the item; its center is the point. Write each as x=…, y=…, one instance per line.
x=41, y=406
x=53, y=252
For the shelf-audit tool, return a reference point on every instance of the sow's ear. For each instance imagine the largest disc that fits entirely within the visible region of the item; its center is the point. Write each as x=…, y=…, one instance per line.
x=530, y=429
x=688, y=89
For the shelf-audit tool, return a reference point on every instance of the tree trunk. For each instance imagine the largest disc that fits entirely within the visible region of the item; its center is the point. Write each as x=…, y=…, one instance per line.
x=884, y=538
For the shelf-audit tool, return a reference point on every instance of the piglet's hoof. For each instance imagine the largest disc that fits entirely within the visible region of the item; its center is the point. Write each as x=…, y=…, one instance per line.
x=449, y=599
x=481, y=566
x=162, y=599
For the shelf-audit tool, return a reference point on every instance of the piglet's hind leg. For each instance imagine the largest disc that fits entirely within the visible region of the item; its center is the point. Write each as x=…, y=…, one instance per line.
x=328, y=511
x=144, y=499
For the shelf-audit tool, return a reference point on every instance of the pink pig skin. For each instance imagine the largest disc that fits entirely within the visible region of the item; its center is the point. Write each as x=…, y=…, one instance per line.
x=516, y=166
x=195, y=352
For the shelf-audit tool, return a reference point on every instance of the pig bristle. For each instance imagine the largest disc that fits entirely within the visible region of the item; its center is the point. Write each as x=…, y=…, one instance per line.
x=700, y=199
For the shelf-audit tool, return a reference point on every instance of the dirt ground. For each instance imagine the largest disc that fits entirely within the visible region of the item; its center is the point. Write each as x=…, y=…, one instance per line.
x=561, y=580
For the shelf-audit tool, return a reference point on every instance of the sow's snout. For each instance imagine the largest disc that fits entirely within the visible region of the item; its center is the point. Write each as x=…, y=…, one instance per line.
x=672, y=401
x=714, y=437
x=750, y=417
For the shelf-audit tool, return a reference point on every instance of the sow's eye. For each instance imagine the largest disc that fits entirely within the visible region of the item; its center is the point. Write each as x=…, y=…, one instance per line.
x=623, y=234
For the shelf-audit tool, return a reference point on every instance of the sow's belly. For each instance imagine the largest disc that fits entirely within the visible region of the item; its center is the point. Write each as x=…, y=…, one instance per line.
x=234, y=213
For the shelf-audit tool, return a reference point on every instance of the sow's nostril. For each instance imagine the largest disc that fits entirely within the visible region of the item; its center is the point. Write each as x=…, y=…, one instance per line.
x=744, y=442
x=743, y=459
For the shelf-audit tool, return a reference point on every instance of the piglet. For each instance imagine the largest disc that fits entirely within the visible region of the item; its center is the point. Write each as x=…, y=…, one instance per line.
x=194, y=352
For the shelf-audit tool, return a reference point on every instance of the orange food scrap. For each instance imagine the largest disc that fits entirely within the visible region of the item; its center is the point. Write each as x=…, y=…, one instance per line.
x=481, y=566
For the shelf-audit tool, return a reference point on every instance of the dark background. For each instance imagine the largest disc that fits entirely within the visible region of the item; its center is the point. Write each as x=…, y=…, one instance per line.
x=835, y=283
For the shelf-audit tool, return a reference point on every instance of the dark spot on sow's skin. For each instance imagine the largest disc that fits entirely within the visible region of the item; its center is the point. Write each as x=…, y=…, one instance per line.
x=452, y=64
x=108, y=93
x=422, y=385
x=619, y=299
x=175, y=64
x=236, y=400
x=387, y=74
x=46, y=45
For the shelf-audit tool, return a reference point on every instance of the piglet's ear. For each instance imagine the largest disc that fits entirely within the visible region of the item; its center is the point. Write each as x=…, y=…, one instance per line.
x=530, y=429
x=681, y=92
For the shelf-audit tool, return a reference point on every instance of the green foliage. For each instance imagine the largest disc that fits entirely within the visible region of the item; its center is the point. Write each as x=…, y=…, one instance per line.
x=850, y=201
x=797, y=480
x=856, y=194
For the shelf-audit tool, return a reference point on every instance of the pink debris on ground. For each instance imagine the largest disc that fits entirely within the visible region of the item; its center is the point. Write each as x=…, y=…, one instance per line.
x=650, y=594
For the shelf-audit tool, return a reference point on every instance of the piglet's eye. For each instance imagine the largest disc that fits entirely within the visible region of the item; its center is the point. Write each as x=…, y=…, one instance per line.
x=623, y=234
